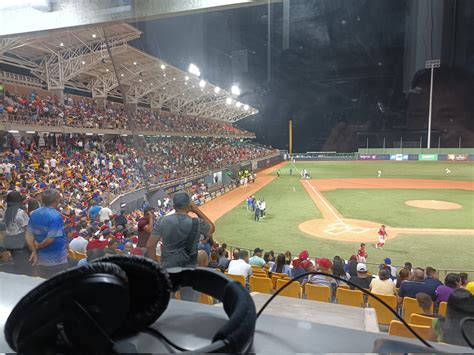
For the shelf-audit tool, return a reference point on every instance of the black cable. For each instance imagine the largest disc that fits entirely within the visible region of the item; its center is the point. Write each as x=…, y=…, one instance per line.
x=157, y=334
x=132, y=116
x=463, y=331
x=354, y=285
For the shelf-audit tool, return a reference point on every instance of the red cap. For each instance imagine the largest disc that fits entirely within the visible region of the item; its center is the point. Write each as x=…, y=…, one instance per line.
x=324, y=263
x=104, y=227
x=304, y=255
x=97, y=244
x=306, y=264
x=296, y=263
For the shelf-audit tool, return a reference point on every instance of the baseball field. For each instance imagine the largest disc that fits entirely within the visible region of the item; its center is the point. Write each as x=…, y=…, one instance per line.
x=429, y=213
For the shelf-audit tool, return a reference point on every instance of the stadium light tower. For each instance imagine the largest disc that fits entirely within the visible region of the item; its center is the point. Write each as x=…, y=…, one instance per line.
x=235, y=90
x=228, y=101
x=193, y=69
x=431, y=64
x=202, y=83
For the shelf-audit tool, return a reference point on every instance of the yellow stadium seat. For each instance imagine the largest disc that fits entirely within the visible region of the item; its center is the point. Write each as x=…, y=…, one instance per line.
x=205, y=299
x=397, y=328
x=261, y=284
x=344, y=286
x=259, y=273
x=442, y=309
x=294, y=290
x=350, y=297
x=276, y=276
x=410, y=306
x=279, y=274
x=238, y=278
x=419, y=319
x=318, y=293
x=384, y=316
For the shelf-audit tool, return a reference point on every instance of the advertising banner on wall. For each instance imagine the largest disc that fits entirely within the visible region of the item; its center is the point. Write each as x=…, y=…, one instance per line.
x=458, y=157
x=430, y=157
x=367, y=157
x=184, y=185
x=399, y=157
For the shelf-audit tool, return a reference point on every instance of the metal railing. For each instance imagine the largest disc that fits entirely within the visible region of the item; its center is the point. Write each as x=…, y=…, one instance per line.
x=28, y=123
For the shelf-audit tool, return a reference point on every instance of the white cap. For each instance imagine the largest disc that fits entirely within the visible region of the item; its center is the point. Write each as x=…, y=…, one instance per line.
x=361, y=267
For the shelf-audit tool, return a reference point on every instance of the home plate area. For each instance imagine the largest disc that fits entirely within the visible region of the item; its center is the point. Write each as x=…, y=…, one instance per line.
x=342, y=228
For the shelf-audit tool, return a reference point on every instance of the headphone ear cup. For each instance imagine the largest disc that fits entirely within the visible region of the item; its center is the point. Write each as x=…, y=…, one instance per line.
x=149, y=286
x=42, y=304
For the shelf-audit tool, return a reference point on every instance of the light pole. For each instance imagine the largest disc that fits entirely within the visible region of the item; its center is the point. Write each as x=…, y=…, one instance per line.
x=431, y=64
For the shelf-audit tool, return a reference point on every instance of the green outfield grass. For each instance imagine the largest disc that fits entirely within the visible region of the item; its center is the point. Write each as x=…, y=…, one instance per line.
x=391, y=169
x=287, y=208
x=388, y=207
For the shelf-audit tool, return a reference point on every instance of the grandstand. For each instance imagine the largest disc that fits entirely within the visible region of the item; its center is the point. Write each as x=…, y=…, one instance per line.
x=107, y=135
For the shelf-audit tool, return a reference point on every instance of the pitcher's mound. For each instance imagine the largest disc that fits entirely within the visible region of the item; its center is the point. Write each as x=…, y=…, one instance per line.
x=434, y=205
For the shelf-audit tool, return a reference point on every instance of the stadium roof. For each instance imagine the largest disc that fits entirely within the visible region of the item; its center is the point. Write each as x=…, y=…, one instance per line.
x=79, y=59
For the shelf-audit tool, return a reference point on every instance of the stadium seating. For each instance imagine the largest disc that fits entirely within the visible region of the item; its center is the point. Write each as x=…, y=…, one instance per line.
x=418, y=319
x=276, y=276
x=442, y=309
x=260, y=284
x=294, y=290
x=318, y=293
x=350, y=297
x=410, y=306
x=238, y=278
x=397, y=328
x=384, y=316
x=84, y=112
x=205, y=299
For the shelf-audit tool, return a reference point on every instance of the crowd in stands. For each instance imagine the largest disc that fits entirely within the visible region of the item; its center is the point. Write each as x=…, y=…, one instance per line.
x=83, y=165
x=85, y=113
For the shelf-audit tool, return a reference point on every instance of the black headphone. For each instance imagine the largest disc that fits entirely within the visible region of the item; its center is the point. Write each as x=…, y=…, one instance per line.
x=86, y=309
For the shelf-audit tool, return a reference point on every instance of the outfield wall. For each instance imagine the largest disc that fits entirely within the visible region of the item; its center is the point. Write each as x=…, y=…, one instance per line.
x=439, y=151
x=390, y=154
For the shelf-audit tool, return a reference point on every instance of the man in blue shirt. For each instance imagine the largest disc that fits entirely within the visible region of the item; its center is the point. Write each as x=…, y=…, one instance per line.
x=412, y=288
x=94, y=210
x=432, y=282
x=46, y=238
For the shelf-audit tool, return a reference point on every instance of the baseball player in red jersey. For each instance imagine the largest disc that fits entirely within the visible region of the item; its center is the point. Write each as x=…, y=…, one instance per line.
x=382, y=235
x=361, y=254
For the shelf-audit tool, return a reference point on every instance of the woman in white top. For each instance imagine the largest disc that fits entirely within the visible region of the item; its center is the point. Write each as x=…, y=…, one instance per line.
x=16, y=220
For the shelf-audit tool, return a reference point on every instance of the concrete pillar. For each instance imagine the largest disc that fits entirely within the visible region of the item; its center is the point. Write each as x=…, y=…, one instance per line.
x=59, y=93
x=100, y=101
x=133, y=107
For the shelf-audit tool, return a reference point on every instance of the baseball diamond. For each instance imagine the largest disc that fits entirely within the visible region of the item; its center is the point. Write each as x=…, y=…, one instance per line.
x=344, y=203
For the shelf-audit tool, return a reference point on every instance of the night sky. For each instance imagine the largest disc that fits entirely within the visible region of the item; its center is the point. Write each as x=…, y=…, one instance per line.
x=344, y=64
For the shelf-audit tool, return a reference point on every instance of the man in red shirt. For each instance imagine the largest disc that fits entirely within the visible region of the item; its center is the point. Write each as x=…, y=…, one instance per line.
x=382, y=235
x=361, y=254
x=145, y=226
